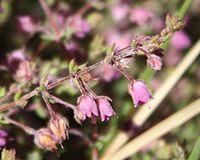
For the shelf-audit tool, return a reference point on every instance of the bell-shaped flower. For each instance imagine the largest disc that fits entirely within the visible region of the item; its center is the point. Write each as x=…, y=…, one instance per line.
x=139, y=92
x=87, y=106
x=105, y=108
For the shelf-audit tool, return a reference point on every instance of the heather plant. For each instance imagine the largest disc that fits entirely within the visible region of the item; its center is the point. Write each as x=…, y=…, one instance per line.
x=71, y=69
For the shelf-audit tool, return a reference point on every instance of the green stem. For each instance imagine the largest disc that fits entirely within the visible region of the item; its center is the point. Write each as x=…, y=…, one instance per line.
x=195, y=155
x=184, y=8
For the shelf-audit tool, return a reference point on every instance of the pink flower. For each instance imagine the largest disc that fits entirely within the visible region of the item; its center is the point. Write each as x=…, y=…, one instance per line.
x=180, y=40
x=28, y=24
x=79, y=26
x=119, y=12
x=154, y=62
x=173, y=57
x=15, y=57
x=139, y=92
x=24, y=71
x=73, y=48
x=119, y=39
x=87, y=106
x=105, y=108
x=158, y=24
x=3, y=136
x=140, y=15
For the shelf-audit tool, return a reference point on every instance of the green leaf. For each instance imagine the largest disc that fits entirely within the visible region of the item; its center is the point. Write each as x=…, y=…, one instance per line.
x=2, y=120
x=195, y=154
x=73, y=66
x=34, y=155
x=110, y=50
x=17, y=95
x=2, y=91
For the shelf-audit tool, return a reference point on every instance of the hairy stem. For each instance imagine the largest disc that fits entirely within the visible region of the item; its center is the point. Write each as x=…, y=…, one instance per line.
x=26, y=128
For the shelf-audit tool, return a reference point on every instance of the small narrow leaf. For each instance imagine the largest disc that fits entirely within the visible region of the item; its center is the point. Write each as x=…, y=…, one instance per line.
x=2, y=91
x=195, y=154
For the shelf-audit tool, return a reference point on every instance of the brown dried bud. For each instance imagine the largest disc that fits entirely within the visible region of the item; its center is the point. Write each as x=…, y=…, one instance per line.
x=59, y=127
x=78, y=116
x=45, y=139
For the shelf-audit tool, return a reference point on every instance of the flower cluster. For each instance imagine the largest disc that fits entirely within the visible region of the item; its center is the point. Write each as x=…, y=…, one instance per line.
x=89, y=104
x=94, y=107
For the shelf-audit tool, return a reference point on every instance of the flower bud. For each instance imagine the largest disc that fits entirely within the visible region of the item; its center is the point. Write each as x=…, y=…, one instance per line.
x=154, y=62
x=45, y=139
x=59, y=127
x=3, y=138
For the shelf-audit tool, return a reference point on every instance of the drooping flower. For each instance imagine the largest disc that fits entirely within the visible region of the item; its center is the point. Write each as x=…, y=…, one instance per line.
x=139, y=92
x=59, y=127
x=119, y=39
x=3, y=136
x=45, y=139
x=87, y=106
x=154, y=62
x=180, y=40
x=140, y=15
x=105, y=108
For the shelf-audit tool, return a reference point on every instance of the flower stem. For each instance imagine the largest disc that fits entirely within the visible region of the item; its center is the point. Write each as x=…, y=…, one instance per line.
x=60, y=101
x=52, y=113
x=124, y=73
x=26, y=128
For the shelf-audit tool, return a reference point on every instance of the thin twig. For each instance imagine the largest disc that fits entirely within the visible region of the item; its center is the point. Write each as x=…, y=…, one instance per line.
x=26, y=128
x=52, y=113
x=60, y=101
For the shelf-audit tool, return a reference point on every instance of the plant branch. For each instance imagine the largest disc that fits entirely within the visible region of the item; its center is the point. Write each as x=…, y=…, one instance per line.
x=26, y=128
